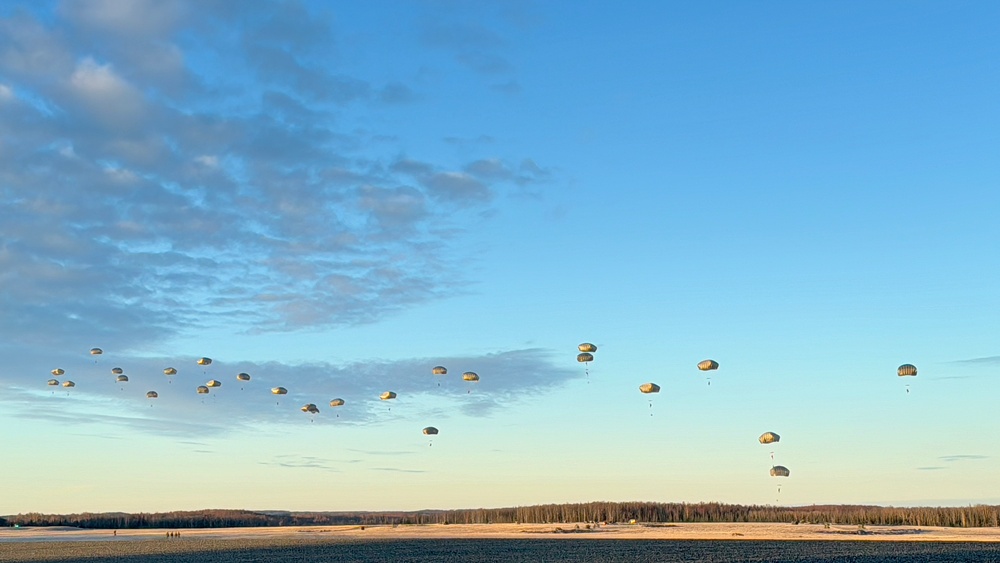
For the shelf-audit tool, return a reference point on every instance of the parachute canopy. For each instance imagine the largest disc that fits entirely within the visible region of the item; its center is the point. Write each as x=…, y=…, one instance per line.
x=214, y=383
x=68, y=383
x=337, y=402
x=152, y=394
x=780, y=471
x=169, y=371
x=204, y=361
x=587, y=347
x=117, y=371
x=584, y=357
x=279, y=391
x=470, y=376
x=243, y=376
x=387, y=395
x=439, y=370
x=707, y=365
x=906, y=369
x=649, y=388
x=430, y=431
x=58, y=371
x=202, y=390
x=52, y=382
x=122, y=378
x=96, y=351
x=769, y=438
x=310, y=408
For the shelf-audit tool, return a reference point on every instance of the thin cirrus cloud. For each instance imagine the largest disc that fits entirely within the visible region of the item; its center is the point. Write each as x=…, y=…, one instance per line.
x=143, y=199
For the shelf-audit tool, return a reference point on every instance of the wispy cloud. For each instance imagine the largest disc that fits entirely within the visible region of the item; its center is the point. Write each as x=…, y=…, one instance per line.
x=962, y=457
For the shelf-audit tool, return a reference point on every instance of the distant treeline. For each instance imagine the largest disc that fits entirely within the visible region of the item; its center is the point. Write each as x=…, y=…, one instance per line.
x=609, y=512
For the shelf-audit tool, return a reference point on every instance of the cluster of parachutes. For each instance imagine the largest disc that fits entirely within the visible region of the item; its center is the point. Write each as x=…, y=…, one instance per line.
x=650, y=388
x=243, y=378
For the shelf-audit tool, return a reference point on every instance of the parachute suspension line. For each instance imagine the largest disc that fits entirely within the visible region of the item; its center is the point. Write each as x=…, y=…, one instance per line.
x=586, y=370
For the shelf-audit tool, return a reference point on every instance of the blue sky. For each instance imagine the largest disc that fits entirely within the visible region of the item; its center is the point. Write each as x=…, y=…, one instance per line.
x=336, y=197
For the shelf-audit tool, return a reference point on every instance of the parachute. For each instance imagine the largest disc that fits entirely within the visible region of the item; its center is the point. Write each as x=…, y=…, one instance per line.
x=338, y=402
x=243, y=377
x=202, y=390
x=117, y=371
x=214, y=383
x=122, y=378
x=439, y=370
x=278, y=391
x=96, y=351
x=169, y=371
x=58, y=371
x=68, y=383
x=470, y=376
x=708, y=365
x=152, y=394
x=907, y=370
x=769, y=438
x=52, y=382
x=310, y=408
x=204, y=361
x=587, y=347
x=387, y=395
x=584, y=357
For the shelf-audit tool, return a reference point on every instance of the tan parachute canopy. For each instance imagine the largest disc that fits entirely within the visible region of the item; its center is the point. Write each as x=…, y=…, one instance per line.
x=204, y=361
x=584, y=357
x=439, y=370
x=769, y=438
x=122, y=378
x=310, y=408
x=52, y=382
x=68, y=384
x=243, y=376
x=169, y=371
x=279, y=391
x=214, y=383
x=430, y=431
x=96, y=351
x=707, y=365
x=58, y=371
x=470, y=376
x=906, y=369
x=649, y=388
x=587, y=347
x=202, y=390
x=387, y=395
x=152, y=394
x=117, y=371
x=780, y=471
x=337, y=402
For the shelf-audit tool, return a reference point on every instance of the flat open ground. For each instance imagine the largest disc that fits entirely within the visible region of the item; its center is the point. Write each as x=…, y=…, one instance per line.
x=69, y=544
